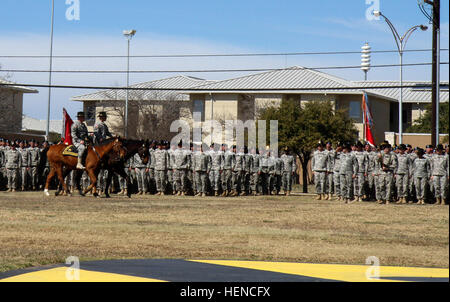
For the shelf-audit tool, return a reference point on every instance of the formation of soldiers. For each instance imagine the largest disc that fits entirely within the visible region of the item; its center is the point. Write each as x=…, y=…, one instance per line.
x=215, y=171
x=357, y=172
x=19, y=161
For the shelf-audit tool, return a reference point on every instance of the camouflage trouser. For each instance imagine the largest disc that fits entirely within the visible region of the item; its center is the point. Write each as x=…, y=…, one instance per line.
x=254, y=182
x=141, y=179
x=160, y=179
x=11, y=175
x=85, y=180
x=329, y=182
x=34, y=177
x=123, y=181
x=24, y=177
x=227, y=177
x=101, y=181
x=214, y=179
x=200, y=180
x=264, y=182
x=411, y=187
x=337, y=183
x=358, y=184
x=386, y=181
x=402, y=182
x=370, y=182
x=179, y=180
x=286, y=179
x=70, y=179
x=376, y=179
x=440, y=184
x=420, y=183
x=170, y=179
x=320, y=182
x=346, y=182
x=245, y=182
x=236, y=179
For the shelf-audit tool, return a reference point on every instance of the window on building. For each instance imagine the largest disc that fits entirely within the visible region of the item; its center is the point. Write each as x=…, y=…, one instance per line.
x=354, y=109
x=199, y=109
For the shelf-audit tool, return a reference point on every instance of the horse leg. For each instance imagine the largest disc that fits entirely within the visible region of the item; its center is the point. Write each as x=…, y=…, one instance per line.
x=51, y=174
x=59, y=172
x=65, y=173
x=78, y=175
x=93, y=185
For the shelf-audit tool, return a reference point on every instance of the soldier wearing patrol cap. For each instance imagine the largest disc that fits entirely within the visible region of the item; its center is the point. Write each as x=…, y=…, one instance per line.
x=439, y=174
x=80, y=137
x=101, y=131
x=35, y=154
x=3, y=150
x=319, y=166
x=13, y=163
x=402, y=174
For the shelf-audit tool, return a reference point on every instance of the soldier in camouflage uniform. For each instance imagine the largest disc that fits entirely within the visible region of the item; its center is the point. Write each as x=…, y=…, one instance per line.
x=227, y=175
x=319, y=167
x=171, y=167
x=329, y=183
x=35, y=155
x=363, y=163
x=388, y=163
x=25, y=165
x=238, y=170
x=289, y=168
x=255, y=170
x=161, y=166
x=348, y=170
x=13, y=162
x=181, y=166
x=335, y=159
x=246, y=175
x=201, y=166
x=80, y=137
x=429, y=192
x=440, y=174
x=421, y=170
x=411, y=187
x=370, y=180
x=3, y=150
x=139, y=171
x=402, y=174
x=101, y=131
x=264, y=171
x=217, y=159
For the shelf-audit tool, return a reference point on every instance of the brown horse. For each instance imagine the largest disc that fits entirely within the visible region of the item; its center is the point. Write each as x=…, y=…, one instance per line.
x=60, y=164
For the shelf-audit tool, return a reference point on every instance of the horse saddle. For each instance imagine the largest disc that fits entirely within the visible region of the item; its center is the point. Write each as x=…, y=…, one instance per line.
x=70, y=151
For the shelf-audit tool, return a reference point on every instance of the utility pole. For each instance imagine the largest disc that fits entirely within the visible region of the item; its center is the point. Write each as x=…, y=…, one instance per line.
x=435, y=19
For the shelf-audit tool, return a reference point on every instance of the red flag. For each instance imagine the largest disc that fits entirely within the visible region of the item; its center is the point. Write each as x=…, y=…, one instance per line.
x=66, y=130
x=368, y=121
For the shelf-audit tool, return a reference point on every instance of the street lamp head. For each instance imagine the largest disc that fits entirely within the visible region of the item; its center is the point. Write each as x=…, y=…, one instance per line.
x=376, y=13
x=129, y=33
x=423, y=27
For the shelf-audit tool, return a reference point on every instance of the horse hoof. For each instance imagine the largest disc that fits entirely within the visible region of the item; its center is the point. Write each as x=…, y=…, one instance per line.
x=46, y=193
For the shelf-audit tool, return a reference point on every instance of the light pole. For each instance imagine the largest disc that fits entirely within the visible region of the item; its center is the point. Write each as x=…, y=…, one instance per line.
x=129, y=35
x=401, y=44
x=47, y=128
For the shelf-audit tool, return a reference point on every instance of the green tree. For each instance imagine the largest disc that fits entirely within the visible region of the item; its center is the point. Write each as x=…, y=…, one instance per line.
x=300, y=128
x=423, y=124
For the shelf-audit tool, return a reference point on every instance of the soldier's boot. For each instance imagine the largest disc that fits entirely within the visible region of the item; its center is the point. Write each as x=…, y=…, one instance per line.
x=325, y=196
x=9, y=190
x=288, y=193
x=162, y=193
x=183, y=194
x=254, y=193
x=125, y=191
x=387, y=201
x=216, y=193
x=235, y=193
x=319, y=197
x=438, y=200
x=411, y=201
x=243, y=194
x=141, y=193
x=13, y=190
x=399, y=201
x=80, y=165
x=121, y=192
x=442, y=201
x=330, y=197
x=404, y=200
x=380, y=201
x=203, y=195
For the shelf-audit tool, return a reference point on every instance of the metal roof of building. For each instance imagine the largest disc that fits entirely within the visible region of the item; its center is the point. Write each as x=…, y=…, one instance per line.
x=16, y=87
x=32, y=124
x=420, y=94
x=172, y=84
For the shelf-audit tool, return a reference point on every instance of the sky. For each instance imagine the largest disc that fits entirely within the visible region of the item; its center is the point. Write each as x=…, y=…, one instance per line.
x=203, y=27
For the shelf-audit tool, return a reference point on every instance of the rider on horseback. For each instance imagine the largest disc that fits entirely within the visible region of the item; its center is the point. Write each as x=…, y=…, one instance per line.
x=79, y=137
x=101, y=131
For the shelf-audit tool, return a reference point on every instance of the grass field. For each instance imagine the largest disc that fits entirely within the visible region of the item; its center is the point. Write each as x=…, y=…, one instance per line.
x=36, y=231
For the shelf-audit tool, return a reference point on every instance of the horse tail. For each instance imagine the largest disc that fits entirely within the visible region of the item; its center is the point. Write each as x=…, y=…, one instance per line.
x=43, y=160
